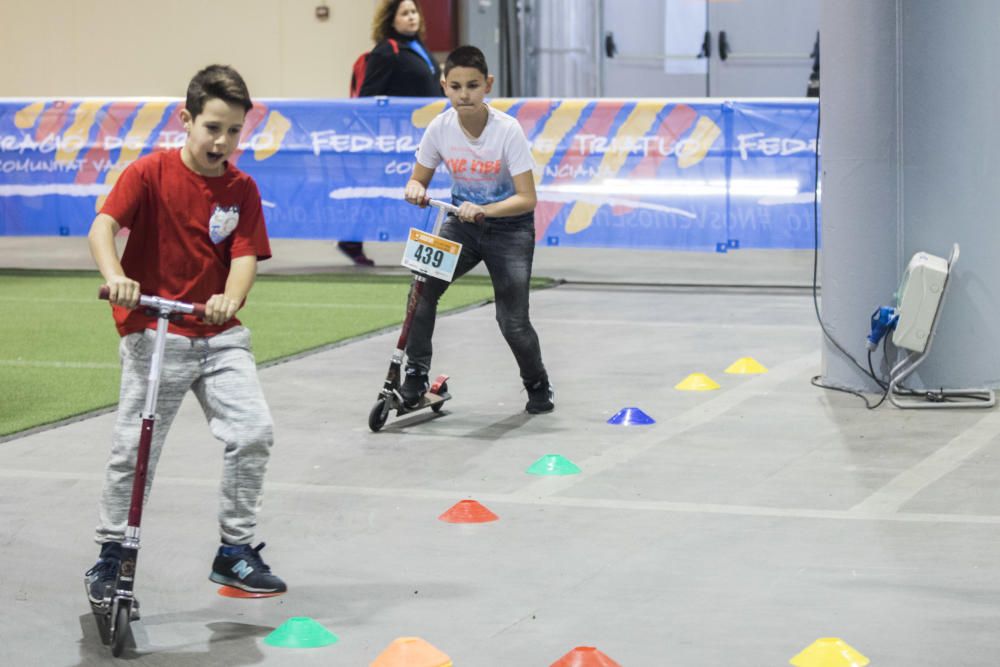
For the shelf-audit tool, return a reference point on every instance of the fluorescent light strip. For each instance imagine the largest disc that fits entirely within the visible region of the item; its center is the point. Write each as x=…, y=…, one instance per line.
x=750, y=187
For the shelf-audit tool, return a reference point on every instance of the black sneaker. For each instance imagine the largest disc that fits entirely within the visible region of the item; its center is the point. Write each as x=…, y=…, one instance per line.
x=541, y=396
x=241, y=567
x=413, y=387
x=100, y=579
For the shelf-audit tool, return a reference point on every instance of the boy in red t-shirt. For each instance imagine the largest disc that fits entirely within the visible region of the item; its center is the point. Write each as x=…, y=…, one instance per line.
x=196, y=232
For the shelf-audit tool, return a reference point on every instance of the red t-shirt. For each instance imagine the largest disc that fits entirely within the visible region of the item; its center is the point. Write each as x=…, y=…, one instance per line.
x=184, y=231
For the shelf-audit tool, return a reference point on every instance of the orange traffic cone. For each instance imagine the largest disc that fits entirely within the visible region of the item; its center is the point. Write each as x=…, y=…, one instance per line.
x=585, y=656
x=468, y=511
x=411, y=652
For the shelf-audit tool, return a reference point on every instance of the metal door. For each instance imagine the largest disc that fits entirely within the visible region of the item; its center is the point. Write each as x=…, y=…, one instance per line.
x=708, y=48
x=656, y=49
x=763, y=47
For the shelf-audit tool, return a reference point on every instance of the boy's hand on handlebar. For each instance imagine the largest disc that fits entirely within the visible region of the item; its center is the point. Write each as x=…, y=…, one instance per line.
x=219, y=309
x=415, y=193
x=123, y=291
x=468, y=211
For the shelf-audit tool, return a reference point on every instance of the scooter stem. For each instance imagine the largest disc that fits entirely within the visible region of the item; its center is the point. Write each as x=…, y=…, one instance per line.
x=411, y=307
x=146, y=435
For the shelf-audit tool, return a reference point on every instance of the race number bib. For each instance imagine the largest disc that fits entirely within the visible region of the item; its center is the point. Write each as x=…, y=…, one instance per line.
x=431, y=255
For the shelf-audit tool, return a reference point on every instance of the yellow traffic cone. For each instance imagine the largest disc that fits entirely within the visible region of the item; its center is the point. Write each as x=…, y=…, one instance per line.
x=697, y=382
x=746, y=366
x=829, y=652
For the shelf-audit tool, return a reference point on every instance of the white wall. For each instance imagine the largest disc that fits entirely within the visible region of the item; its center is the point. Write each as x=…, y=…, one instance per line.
x=71, y=48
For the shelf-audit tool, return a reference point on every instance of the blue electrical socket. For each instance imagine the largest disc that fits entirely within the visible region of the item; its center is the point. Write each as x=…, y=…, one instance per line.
x=884, y=320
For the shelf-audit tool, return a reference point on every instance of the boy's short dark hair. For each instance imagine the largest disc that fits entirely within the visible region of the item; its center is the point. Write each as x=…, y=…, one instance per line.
x=221, y=81
x=466, y=56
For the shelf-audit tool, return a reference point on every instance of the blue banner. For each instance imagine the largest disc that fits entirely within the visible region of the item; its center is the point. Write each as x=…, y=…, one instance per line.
x=650, y=173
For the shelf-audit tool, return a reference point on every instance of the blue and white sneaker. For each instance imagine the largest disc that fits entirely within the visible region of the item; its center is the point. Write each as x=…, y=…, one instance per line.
x=241, y=566
x=100, y=579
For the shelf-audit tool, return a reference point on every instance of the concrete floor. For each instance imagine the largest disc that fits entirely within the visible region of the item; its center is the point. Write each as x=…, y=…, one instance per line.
x=744, y=525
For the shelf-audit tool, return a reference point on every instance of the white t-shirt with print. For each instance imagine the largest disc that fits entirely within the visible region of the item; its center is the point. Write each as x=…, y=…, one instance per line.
x=482, y=169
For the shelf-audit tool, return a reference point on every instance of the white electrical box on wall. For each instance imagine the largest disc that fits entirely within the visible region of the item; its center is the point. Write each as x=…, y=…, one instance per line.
x=920, y=295
x=918, y=299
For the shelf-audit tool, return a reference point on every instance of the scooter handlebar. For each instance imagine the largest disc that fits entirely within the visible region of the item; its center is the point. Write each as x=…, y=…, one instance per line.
x=450, y=208
x=196, y=309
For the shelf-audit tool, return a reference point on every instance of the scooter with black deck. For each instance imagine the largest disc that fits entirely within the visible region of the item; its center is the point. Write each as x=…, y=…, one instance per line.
x=115, y=613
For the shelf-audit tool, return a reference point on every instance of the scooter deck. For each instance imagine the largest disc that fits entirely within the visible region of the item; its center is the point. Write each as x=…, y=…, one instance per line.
x=428, y=400
x=102, y=616
x=104, y=609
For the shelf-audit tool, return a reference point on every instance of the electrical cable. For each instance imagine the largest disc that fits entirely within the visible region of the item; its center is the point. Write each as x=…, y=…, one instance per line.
x=883, y=385
x=939, y=396
x=815, y=380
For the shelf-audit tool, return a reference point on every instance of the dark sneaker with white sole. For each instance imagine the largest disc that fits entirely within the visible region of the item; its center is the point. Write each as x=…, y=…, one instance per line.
x=541, y=396
x=414, y=386
x=241, y=566
x=100, y=579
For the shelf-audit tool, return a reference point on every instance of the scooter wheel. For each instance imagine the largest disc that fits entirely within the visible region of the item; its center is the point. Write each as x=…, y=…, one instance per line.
x=378, y=415
x=122, y=630
x=443, y=390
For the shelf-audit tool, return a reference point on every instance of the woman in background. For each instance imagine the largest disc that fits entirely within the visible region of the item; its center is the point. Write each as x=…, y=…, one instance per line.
x=399, y=65
x=405, y=69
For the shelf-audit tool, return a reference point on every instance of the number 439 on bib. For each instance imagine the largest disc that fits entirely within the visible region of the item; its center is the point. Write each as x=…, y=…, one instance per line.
x=431, y=255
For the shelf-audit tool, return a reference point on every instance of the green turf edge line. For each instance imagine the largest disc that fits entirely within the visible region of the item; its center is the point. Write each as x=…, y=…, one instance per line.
x=103, y=410
x=542, y=283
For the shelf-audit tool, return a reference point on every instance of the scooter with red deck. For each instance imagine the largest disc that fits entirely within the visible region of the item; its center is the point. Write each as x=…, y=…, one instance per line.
x=427, y=255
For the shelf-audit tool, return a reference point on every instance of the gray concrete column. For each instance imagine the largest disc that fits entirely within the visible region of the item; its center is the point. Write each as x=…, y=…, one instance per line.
x=908, y=102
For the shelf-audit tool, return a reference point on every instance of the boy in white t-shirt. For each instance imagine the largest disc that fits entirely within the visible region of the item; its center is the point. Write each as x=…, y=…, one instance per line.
x=491, y=169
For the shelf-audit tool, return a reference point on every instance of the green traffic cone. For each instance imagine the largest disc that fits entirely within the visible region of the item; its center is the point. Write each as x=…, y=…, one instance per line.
x=553, y=464
x=300, y=632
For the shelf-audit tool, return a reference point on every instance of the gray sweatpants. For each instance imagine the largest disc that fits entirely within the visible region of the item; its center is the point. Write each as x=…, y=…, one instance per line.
x=221, y=372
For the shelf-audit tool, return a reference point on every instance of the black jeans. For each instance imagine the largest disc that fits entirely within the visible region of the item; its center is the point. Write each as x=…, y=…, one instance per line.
x=507, y=247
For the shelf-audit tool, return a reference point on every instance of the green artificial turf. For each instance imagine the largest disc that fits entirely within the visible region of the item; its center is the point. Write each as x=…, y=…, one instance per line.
x=59, y=347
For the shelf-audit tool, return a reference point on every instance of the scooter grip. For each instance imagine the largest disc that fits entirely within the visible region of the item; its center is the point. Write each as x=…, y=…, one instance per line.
x=480, y=218
x=197, y=309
